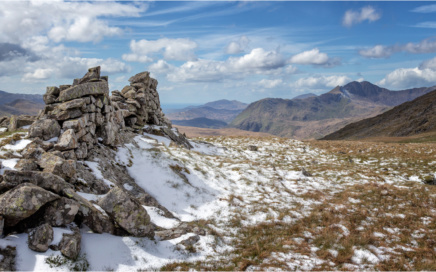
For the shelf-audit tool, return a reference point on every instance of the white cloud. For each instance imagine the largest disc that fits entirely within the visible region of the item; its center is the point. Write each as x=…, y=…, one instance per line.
x=171, y=49
x=409, y=78
x=258, y=61
x=71, y=21
x=425, y=9
x=38, y=74
x=320, y=82
x=352, y=17
x=378, y=51
x=270, y=83
x=381, y=51
x=239, y=46
x=424, y=75
x=314, y=57
x=161, y=67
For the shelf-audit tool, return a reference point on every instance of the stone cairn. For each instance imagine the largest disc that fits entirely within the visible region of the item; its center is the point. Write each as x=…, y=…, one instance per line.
x=41, y=192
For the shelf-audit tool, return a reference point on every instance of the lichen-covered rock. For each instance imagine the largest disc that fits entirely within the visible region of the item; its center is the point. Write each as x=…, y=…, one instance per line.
x=7, y=263
x=45, y=129
x=131, y=216
x=32, y=151
x=89, y=88
x=70, y=244
x=73, y=104
x=67, y=141
x=92, y=74
x=61, y=212
x=40, y=238
x=141, y=77
x=54, y=164
x=48, y=181
x=26, y=165
x=13, y=123
x=92, y=217
x=23, y=201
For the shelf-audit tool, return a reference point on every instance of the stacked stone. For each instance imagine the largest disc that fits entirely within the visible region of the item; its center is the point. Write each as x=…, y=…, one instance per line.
x=139, y=102
x=84, y=113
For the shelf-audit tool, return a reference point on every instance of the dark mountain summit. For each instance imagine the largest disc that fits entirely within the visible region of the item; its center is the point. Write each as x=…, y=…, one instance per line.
x=314, y=117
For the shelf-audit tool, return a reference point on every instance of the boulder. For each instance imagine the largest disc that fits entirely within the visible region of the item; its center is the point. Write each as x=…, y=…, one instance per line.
x=48, y=181
x=70, y=244
x=92, y=74
x=26, y=165
x=40, y=238
x=13, y=123
x=52, y=90
x=91, y=216
x=61, y=212
x=73, y=104
x=23, y=201
x=128, y=214
x=49, y=99
x=45, y=129
x=89, y=88
x=32, y=151
x=67, y=141
x=141, y=77
x=130, y=94
x=58, y=166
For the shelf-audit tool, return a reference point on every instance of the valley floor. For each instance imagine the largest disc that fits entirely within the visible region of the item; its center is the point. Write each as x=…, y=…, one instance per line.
x=291, y=205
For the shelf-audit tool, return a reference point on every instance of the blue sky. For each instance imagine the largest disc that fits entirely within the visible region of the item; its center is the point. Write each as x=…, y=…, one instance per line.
x=203, y=51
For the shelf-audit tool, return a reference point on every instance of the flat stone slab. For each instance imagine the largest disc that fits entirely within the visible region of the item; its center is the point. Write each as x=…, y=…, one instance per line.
x=89, y=88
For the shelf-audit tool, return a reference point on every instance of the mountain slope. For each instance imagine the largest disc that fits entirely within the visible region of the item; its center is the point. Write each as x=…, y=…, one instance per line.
x=201, y=122
x=222, y=110
x=6, y=97
x=314, y=117
x=410, y=118
x=21, y=106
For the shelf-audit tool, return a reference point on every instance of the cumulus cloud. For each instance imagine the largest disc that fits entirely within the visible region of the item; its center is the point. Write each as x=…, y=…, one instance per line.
x=423, y=75
x=38, y=74
x=9, y=51
x=258, y=61
x=270, y=83
x=171, y=49
x=367, y=13
x=320, y=82
x=314, y=57
x=238, y=47
x=58, y=20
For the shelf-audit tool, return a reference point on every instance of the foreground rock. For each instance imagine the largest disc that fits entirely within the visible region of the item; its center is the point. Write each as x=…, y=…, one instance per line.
x=40, y=238
x=127, y=213
x=23, y=201
x=70, y=244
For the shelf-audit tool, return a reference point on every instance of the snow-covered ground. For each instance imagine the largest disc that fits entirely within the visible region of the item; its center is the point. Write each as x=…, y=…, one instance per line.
x=230, y=190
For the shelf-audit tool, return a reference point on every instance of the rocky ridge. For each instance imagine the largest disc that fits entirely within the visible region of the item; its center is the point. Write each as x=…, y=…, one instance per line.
x=81, y=121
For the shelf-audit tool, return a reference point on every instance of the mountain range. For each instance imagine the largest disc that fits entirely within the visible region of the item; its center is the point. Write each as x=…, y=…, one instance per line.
x=408, y=119
x=17, y=104
x=221, y=111
x=317, y=116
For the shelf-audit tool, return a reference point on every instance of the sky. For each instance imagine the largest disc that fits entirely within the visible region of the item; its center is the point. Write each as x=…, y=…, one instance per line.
x=204, y=51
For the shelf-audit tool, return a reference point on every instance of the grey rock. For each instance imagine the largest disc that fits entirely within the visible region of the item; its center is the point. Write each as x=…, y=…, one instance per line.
x=70, y=244
x=32, y=151
x=252, y=148
x=7, y=263
x=52, y=90
x=23, y=201
x=73, y=104
x=82, y=151
x=61, y=212
x=40, y=238
x=67, y=141
x=90, y=88
x=58, y=166
x=130, y=215
x=92, y=217
x=190, y=241
x=13, y=123
x=49, y=99
x=141, y=77
x=45, y=129
x=26, y=165
x=48, y=181
x=92, y=74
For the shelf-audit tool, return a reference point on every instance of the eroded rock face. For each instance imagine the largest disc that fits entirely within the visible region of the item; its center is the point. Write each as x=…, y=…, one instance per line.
x=23, y=201
x=40, y=238
x=127, y=213
x=70, y=244
x=45, y=129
